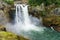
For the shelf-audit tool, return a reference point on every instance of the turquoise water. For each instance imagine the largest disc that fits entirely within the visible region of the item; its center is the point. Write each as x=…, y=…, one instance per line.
x=22, y=16
x=47, y=34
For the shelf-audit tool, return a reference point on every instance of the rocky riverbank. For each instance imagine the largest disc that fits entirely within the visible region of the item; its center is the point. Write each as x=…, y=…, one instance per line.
x=7, y=13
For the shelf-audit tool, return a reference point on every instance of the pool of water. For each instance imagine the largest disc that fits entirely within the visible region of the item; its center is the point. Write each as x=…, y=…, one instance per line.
x=47, y=34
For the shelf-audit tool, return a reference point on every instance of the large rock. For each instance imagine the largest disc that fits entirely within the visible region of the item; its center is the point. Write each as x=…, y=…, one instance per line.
x=2, y=28
x=2, y=17
x=34, y=11
x=51, y=21
x=7, y=36
x=57, y=28
x=10, y=36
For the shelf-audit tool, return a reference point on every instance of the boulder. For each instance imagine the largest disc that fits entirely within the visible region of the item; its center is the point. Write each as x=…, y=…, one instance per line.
x=57, y=28
x=7, y=36
x=51, y=21
x=2, y=28
x=3, y=19
x=10, y=36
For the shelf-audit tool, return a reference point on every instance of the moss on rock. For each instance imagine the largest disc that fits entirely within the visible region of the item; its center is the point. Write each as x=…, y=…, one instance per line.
x=7, y=36
x=10, y=36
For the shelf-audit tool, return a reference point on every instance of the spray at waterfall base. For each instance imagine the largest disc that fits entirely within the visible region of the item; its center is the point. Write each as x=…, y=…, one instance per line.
x=23, y=21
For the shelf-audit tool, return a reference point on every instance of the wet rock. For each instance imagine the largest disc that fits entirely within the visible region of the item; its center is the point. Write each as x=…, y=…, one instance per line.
x=2, y=28
x=57, y=28
x=2, y=17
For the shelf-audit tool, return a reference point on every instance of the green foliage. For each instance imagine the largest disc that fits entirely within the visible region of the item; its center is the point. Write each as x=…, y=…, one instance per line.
x=35, y=2
x=9, y=1
x=57, y=2
x=46, y=2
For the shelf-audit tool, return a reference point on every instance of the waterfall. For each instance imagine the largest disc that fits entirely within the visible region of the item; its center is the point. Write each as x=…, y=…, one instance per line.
x=22, y=21
x=18, y=15
x=25, y=14
x=24, y=26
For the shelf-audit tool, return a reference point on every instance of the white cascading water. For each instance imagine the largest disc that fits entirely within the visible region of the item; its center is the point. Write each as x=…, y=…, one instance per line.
x=22, y=21
x=25, y=27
